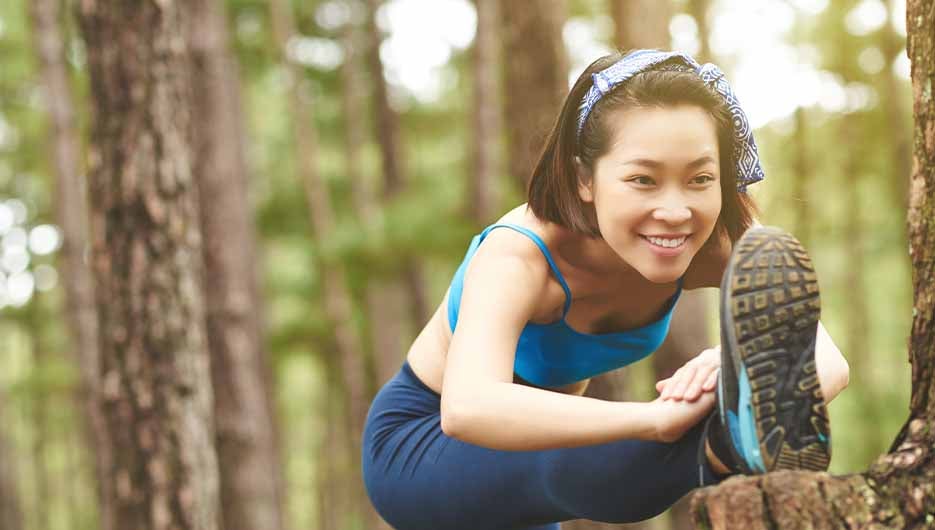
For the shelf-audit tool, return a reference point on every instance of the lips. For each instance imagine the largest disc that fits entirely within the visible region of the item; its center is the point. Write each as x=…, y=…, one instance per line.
x=670, y=241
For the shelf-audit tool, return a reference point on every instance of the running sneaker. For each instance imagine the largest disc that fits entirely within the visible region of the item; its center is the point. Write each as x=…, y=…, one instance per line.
x=769, y=397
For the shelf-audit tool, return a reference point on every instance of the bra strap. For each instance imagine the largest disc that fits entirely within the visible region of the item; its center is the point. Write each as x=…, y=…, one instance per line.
x=545, y=252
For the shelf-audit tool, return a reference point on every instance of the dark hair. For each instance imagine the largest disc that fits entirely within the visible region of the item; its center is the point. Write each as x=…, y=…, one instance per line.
x=553, y=187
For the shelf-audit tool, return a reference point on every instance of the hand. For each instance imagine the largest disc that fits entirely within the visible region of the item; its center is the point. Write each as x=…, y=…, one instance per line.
x=675, y=418
x=696, y=377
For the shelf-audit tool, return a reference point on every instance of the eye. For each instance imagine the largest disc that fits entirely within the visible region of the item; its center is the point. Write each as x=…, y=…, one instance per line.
x=702, y=179
x=642, y=180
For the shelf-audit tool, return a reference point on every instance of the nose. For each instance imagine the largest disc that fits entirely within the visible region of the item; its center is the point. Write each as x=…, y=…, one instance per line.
x=673, y=209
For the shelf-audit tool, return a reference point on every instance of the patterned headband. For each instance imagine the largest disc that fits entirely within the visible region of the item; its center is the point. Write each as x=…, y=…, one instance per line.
x=745, y=151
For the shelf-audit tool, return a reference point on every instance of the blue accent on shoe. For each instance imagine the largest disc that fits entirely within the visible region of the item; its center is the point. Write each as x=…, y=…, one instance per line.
x=823, y=439
x=743, y=428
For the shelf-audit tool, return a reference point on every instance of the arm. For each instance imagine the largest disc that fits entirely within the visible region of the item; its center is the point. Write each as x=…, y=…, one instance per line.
x=481, y=405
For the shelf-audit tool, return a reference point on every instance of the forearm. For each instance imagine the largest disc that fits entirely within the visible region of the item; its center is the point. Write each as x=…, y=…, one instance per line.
x=832, y=368
x=508, y=416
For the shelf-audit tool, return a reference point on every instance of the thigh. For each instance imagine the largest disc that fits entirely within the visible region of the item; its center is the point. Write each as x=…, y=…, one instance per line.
x=420, y=478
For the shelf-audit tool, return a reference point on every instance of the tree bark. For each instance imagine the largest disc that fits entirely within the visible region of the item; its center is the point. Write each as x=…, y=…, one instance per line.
x=898, y=491
x=72, y=217
x=485, y=115
x=246, y=430
x=535, y=78
x=337, y=297
x=154, y=362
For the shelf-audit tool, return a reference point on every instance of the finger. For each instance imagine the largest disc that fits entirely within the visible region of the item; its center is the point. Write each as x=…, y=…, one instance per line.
x=702, y=376
x=679, y=391
x=672, y=383
x=711, y=382
x=661, y=384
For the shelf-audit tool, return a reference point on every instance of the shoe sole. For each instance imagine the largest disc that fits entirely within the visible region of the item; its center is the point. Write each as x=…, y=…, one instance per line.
x=770, y=307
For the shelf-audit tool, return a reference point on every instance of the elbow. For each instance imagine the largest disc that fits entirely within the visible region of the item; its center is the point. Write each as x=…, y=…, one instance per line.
x=452, y=419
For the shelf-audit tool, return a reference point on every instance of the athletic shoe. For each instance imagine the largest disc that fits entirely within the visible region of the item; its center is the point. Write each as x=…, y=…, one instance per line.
x=769, y=397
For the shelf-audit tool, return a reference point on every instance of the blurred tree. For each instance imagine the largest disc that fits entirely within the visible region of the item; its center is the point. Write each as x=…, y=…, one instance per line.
x=535, y=78
x=11, y=514
x=641, y=23
x=698, y=9
x=801, y=179
x=337, y=298
x=246, y=430
x=384, y=326
x=896, y=492
x=486, y=114
x=891, y=96
x=72, y=217
x=389, y=137
x=147, y=262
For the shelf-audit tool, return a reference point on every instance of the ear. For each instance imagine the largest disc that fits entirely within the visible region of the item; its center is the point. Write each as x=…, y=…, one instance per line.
x=585, y=181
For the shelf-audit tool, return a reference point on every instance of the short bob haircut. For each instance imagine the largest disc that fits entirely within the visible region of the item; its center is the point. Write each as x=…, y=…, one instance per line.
x=553, y=187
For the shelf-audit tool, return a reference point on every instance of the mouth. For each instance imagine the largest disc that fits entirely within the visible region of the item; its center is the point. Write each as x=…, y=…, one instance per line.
x=667, y=241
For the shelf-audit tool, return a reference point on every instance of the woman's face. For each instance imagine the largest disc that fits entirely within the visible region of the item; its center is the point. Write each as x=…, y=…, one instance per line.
x=657, y=191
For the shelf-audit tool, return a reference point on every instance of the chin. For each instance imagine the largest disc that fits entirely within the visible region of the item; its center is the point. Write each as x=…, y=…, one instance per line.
x=661, y=276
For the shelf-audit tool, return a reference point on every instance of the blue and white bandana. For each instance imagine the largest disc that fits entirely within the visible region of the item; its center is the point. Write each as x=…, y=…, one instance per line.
x=745, y=151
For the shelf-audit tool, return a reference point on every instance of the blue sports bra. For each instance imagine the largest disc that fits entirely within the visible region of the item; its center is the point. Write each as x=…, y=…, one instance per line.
x=554, y=354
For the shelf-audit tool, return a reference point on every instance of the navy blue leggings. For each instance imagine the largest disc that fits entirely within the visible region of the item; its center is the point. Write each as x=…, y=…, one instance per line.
x=419, y=478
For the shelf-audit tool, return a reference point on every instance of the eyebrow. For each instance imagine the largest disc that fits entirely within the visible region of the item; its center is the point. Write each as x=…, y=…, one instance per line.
x=647, y=162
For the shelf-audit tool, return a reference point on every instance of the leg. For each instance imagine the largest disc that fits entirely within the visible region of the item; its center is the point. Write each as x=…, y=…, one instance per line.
x=419, y=478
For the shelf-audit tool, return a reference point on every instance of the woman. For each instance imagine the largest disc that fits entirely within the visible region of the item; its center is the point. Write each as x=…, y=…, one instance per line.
x=639, y=193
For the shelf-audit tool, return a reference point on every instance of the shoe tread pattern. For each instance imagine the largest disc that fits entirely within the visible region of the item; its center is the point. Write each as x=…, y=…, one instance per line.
x=775, y=307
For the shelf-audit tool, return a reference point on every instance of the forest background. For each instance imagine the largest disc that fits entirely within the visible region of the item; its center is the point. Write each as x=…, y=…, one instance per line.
x=416, y=149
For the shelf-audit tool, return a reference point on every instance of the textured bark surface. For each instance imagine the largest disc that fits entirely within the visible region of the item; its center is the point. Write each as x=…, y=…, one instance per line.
x=898, y=491
x=154, y=363
x=72, y=217
x=246, y=441
x=485, y=114
x=535, y=78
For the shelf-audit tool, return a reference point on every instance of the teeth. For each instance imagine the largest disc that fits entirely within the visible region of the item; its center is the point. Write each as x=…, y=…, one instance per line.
x=668, y=243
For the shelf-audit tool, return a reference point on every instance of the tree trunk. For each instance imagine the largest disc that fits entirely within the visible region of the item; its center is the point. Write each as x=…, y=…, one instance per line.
x=388, y=134
x=801, y=198
x=337, y=298
x=11, y=514
x=72, y=218
x=535, y=78
x=641, y=23
x=154, y=362
x=897, y=491
x=698, y=9
x=385, y=330
x=891, y=96
x=485, y=115
x=246, y=441
x=39, y=417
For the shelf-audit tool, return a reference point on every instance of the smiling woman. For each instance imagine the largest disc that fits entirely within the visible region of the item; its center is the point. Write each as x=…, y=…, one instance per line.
x=639, y=193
